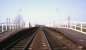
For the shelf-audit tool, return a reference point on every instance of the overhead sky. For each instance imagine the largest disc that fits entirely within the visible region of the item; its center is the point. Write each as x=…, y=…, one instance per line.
x=44, y=11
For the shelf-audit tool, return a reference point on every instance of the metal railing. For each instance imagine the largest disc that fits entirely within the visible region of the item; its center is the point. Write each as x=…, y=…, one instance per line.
x=77, y=26
x=10, y=27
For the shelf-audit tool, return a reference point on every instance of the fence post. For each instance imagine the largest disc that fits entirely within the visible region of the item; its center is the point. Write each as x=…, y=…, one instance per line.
x=75, y=27
x=2, y=27
x=81, y=28
x=70, y=26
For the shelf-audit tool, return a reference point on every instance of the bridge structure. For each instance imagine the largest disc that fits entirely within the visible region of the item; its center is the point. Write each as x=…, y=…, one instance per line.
x=40, y=37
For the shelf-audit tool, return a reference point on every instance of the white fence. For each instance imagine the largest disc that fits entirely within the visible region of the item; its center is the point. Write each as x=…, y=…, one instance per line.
x=80, y=27
x=10, y=27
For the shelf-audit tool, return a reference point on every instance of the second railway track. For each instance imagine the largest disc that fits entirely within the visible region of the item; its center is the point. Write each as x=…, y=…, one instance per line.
x=22, y=44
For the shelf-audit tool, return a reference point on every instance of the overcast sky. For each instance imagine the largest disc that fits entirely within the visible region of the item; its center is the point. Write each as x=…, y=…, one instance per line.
x=44, y=11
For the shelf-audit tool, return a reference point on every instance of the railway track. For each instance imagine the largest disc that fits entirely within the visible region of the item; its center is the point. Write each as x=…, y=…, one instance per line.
x=43, y=38
x=40, y=42
x=37, y=41
x=20, y=43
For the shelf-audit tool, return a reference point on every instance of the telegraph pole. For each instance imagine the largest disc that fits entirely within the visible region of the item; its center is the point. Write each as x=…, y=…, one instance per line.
x=68, y=21
x=8, y=23
x=29, y=22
